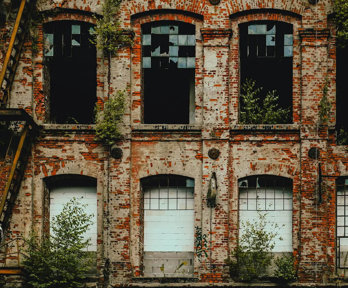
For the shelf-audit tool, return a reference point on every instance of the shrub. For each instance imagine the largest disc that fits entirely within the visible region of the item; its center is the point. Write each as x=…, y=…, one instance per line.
x=255, y=110
x=285, y=268
x=252, y=256
x=58, y=260
x=109, y=119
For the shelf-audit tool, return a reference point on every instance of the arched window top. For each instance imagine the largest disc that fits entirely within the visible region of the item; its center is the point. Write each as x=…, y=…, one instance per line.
x=259, y=181
x=70, y=180
x=167, y=180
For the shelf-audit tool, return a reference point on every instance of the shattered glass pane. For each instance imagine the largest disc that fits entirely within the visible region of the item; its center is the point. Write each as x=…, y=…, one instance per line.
x=164, y=29
x=191, y=40
x=75, y=29
x=156, y=30
x=183, y=40
x=173, y=40
x=270, y=40
x=156, y=51
x=288, y=39
x=48, y=45
x=271, y=29
x=173, y=29
x=146, y=39
x=191, y=62
x=257, y=29
x=173, y=61
x=288, y=51
x=146, y=62
x=182, y=62
x=173, y=50
x=75, y=41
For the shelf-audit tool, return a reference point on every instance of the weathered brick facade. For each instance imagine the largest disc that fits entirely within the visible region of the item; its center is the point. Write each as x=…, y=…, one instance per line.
x=182, y=149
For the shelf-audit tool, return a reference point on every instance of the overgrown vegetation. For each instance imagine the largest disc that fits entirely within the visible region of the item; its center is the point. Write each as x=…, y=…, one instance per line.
x=341, y=19
x=109, y=37
x=255, y=110
x=285, y=269
x=58, y=260
x=253, y=255
x=324, y=105
x=109, y=119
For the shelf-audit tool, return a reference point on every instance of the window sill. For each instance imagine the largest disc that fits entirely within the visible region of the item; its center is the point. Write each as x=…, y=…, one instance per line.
x=265, y=127
x=166, y=127
x=69, y=127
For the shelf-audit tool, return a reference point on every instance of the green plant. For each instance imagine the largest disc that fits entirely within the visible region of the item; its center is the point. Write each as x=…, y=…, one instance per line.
x=324, y=105
x=252, y=256
x=285, y=268
x=341, y=19
x=109, y=119
x=109, y=37
x=58, y=260
x=200, y=243
x=342, y=137
x=255, y=110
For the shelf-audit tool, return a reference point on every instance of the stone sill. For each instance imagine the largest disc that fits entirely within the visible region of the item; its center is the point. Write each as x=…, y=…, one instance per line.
x=69, y=127
x=166, y=128
x=265, y=127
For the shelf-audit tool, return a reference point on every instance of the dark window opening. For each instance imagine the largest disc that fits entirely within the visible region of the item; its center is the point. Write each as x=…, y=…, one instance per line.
x=342, y=93
x=168, y=61
x=70, y=59
x=342, y=222
x=266, y=57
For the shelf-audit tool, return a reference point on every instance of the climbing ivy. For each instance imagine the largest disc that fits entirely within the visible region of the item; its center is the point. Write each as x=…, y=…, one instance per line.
x=324, y=105
x=109, y=36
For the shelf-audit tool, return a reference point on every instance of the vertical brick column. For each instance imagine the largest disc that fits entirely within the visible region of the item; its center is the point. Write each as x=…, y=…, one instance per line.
x=315, y=265
x=215, y=136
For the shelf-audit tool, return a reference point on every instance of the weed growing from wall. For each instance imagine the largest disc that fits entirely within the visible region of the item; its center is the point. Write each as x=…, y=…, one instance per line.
x=285, y=269
x=109, y=119
x=109, y=36
x=58, y=260
x=324, y=105
x=255, y=110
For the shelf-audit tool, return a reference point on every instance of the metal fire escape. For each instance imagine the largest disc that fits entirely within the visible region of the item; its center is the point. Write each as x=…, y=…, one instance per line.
x=20, y=141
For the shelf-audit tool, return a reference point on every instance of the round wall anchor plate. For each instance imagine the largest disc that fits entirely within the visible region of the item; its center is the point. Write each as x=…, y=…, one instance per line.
x=214, y=2
x=313, y=1
x=214, y=153
x=116, y=152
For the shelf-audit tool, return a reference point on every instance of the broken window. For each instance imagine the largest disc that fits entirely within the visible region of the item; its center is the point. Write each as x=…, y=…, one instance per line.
x=70, y=61
x=168, y=61
x=342, y=89
x=342, y=222
x=266, y=56
x=168, y=226
x=271, y=195
x=63, y=188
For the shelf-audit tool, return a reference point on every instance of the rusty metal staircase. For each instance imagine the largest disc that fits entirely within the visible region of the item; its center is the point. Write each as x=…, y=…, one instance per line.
x=14, y=49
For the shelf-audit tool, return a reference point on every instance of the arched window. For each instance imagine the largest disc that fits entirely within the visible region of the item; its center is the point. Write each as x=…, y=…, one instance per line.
x=63, y=188
x=266, y=56
x=271, y=195
x=168, y=61
x=168, y=226
x=70, y=61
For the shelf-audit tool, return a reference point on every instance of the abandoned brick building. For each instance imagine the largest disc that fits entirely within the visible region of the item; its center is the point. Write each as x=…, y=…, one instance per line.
x=183, y=138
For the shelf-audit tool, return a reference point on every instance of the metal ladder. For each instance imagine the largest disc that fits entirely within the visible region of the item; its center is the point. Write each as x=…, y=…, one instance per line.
x=13, y=53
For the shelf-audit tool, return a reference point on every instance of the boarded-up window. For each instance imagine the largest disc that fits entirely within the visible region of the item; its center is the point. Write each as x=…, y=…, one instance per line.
x=168, y=226
x=61, y=193
x=271, y=195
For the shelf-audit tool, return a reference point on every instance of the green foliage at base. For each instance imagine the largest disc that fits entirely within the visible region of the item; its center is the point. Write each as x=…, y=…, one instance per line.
x=255, y=110
x=285, y=269
x=252, y=257
x=58, y=261
x=109, y=119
